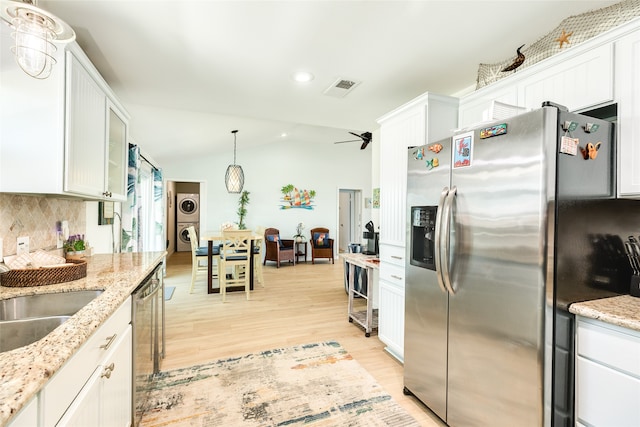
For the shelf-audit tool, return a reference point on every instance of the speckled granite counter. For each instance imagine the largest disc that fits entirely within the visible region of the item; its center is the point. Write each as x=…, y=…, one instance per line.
x=622, y=310
x=24, y=371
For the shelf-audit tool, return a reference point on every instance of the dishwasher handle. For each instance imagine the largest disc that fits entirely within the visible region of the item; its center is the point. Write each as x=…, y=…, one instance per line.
x=153, y=283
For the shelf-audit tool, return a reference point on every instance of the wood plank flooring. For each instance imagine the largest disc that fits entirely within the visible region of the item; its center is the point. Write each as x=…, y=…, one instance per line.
x=298, y=304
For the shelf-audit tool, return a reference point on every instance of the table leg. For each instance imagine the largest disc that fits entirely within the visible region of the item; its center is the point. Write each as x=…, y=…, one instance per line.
x=209, y=266
x=251, y=266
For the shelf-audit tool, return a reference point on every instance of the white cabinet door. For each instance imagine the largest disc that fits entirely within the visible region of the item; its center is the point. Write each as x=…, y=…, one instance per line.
x=85, y=409
x=85, y=131
x=105, y=399
x=116, y=154
x=115, y=397
x=607, y=374
x=628, y=129
x=577, y=82
x=391, y=318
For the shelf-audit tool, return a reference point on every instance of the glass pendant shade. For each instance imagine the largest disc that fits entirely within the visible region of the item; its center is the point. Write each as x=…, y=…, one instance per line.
x=33, y=48
x=234, y=178
x=35, y=30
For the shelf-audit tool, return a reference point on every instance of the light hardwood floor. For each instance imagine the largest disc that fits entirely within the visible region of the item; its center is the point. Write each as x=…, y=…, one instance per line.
x=299, y=304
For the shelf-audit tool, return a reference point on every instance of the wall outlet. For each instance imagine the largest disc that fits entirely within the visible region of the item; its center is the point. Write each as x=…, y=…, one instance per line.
x=22, y=245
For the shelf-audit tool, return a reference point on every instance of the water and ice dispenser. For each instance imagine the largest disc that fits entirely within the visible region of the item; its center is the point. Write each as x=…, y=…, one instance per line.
x=423, y=234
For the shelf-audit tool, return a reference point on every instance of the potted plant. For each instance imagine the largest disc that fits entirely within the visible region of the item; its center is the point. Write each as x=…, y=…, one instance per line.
x=74, y=247
x=299, y=229
x=242, y=209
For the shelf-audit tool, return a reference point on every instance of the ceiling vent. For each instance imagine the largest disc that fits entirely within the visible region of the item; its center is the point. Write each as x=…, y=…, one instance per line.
x=341, y=87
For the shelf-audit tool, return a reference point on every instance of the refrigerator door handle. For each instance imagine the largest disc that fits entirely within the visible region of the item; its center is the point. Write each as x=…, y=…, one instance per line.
x=448, y=203
x=438, y=236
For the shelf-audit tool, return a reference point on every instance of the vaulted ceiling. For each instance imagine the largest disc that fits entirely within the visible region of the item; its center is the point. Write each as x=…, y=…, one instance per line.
x=190, y=71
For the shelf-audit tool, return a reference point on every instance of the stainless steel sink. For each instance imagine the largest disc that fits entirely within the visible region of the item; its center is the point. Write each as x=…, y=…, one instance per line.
x=27, y=319
x=18, y=333
x=44, y=305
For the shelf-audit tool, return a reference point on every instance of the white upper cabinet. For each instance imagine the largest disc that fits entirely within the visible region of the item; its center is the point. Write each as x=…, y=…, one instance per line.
x=56, y=133
x=576, y=81
x=85, y=131
x=116, y=153
x=628, y=128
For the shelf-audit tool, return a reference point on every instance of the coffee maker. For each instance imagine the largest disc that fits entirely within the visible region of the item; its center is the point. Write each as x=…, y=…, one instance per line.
x=371, y=240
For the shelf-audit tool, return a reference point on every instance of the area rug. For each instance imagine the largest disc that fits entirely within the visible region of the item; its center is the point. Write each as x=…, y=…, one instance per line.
x=315, y=384
x=168, y=292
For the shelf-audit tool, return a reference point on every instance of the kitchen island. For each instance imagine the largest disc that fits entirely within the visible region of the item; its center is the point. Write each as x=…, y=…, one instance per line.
x=26, y=370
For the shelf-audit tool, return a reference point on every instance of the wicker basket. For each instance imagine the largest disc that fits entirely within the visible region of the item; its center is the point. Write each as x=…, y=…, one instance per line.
x=45, y=275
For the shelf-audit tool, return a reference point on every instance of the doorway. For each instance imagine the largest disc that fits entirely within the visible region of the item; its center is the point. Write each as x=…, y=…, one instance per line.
x=349, y=218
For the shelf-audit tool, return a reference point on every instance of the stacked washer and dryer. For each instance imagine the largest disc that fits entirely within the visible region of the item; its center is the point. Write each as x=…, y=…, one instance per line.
x=188, y=214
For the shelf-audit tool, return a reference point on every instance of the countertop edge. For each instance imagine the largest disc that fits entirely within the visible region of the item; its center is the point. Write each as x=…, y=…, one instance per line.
x=26, y=370
x=623, y=310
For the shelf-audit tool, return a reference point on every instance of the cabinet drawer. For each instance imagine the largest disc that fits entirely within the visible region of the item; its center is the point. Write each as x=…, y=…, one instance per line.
x=392, y=274
x=393, y=254
x=609, y=345
x=67, y=382
x=606, y=397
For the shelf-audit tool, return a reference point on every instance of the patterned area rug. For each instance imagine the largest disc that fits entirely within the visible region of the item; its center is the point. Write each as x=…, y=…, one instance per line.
x=315, y=384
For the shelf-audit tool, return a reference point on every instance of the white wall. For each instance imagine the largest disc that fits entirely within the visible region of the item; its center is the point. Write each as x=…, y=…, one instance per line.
x=321, y=167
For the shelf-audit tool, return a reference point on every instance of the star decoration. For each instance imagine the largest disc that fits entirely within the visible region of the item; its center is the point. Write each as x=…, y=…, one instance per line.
x=564, y=38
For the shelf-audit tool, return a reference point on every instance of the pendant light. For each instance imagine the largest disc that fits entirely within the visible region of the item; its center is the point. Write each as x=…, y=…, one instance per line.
x=234, y=178
x=35, y=30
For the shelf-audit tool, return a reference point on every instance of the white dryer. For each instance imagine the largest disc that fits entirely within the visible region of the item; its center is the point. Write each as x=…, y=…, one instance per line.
x=183, y=243
x=188, y=206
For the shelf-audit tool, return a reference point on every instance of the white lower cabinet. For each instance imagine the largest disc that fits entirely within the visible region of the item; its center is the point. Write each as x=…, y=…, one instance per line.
x=105, y=397
x=607, y=375
x=94, y=387
x=391, y=318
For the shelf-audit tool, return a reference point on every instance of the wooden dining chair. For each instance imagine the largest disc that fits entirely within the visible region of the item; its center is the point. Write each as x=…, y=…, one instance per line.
x=234, y=254
x=199, y=257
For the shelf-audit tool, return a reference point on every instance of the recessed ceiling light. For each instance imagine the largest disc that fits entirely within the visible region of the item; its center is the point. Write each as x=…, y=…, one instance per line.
x=302, y=76
x=283, y=134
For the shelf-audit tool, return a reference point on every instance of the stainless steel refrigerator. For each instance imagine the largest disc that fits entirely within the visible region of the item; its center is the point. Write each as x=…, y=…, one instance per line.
x=495, y=216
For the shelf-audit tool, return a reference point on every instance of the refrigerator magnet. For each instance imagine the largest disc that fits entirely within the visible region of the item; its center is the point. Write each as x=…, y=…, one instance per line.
x=492, y=131
x=463, y=150
x=418, y=154
x=591, y=150
x=569, y=145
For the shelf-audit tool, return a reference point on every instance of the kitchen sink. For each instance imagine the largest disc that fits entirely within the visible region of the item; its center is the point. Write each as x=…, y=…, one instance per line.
x=21, y=332
x=45, y=305
x=27, y=319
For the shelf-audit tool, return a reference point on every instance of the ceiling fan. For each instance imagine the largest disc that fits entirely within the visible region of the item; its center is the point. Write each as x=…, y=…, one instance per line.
x=365, y=137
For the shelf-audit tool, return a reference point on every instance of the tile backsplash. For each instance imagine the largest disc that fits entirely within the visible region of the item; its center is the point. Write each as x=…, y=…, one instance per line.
x=37, y=217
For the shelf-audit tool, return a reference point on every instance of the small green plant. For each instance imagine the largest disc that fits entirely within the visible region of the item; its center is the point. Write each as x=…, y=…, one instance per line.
x=242, y=209
x=74, y=243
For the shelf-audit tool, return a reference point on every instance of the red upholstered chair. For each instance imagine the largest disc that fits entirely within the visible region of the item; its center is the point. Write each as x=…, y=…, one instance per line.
x=277, y=249
x=321, y=244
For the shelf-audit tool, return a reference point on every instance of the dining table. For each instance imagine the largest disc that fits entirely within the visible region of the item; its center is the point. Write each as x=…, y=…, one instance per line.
x=216, y=236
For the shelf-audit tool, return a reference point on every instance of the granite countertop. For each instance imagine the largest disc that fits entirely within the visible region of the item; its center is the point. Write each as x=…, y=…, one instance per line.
x=25, y=370
x=623, y=310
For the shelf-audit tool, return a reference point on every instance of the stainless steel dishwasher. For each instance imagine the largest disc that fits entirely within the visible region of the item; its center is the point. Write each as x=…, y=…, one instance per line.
x=148, y=337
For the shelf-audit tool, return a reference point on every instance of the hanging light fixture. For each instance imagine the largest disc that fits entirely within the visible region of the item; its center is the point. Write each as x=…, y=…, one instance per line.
x=234, y=178
x=35, y=30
